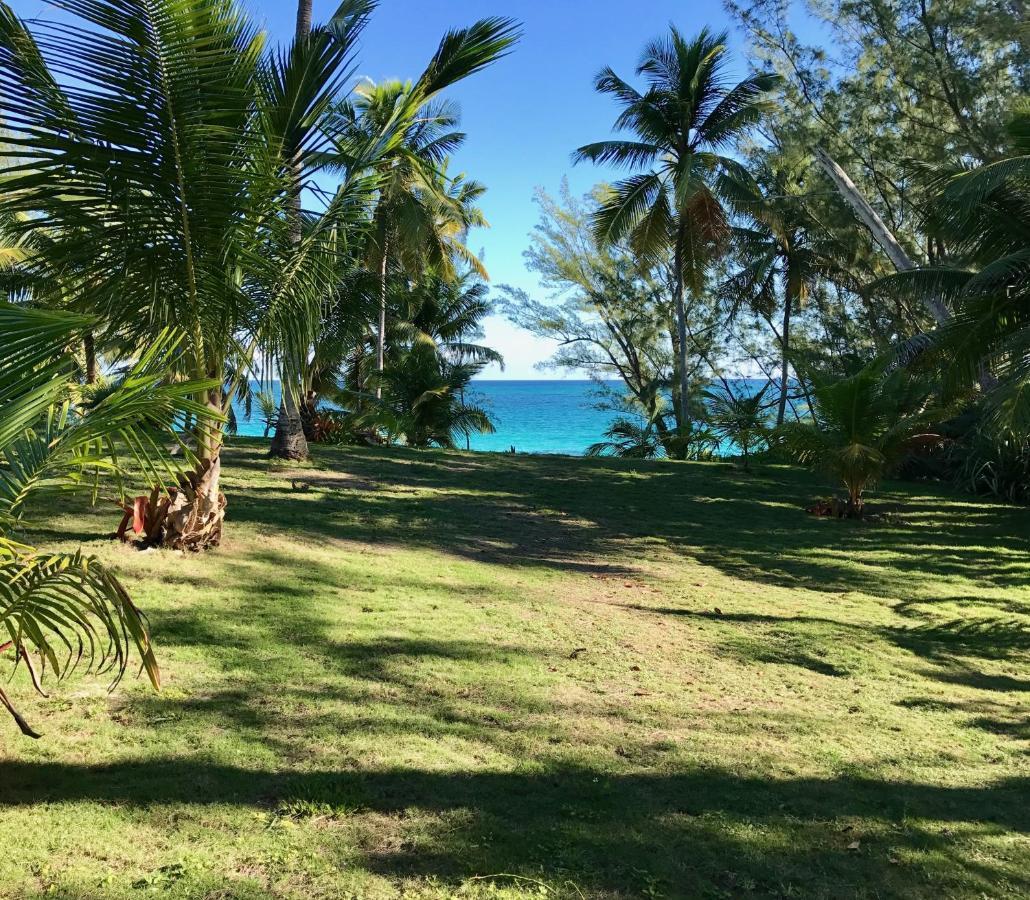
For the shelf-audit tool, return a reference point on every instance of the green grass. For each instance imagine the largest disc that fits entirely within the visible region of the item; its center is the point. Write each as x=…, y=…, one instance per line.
x=372, y=689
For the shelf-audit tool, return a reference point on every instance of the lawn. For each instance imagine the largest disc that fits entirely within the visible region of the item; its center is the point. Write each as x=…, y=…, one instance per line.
x=437, y=674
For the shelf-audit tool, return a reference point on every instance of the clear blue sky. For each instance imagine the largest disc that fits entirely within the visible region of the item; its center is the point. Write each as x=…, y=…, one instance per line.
x=525, y=115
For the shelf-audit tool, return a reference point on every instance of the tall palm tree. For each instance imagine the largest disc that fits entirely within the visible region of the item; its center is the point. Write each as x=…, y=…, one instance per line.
x=421, y=216
x=289, y=441
x=685, y=117
x=163, y=181
x=783, y=251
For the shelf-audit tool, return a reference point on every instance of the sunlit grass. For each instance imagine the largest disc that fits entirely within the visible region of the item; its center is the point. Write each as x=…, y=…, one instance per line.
x=442, y=674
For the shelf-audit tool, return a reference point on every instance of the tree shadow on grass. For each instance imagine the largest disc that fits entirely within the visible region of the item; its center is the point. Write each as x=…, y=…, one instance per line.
x=691, y=834
x=587, y=515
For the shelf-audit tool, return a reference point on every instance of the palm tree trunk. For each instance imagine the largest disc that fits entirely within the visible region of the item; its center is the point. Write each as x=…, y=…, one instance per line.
x=290, y=441
x=89, y=349
x=788, y=304
x=303, y=18
x=191, y=517
x=681, y=334
x=381, y=339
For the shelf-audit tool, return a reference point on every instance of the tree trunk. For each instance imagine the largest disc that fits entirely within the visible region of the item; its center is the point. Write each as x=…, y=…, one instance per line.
x=788, y=303
x=880, y=232
x=89, y=349
x=192, y=516
x=303, y=18
x=681, y=335
x=381, y=339
x=290, y=442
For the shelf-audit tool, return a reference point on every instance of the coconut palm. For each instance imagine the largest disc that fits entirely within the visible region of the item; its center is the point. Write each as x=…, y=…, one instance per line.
x=783, y=252
x=742, y=419
x=163, y=179
x=58, y=610
x=421, y=216
x=683, y=120
x=424, y=400
x=863, y=426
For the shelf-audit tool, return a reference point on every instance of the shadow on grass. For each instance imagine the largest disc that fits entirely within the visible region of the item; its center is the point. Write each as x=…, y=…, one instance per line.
x=693, y=832
x=581, y=514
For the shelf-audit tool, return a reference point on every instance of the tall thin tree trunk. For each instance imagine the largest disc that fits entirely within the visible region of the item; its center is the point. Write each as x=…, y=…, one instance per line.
x=289, y=441
x=681, y=334
x=788, y=303
x=89, y=349
x=381, y=339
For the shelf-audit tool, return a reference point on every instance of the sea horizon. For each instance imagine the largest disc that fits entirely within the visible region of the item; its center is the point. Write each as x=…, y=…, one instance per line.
x=559, y=416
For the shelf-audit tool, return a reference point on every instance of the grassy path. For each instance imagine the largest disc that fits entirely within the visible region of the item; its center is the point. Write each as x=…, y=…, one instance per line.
x=436, y=675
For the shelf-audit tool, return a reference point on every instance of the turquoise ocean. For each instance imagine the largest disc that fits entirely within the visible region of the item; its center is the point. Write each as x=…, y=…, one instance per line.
x=539, y=416
x=552, y=416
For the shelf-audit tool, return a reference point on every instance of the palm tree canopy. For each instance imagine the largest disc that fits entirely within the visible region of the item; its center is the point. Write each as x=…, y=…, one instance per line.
x=684, y=119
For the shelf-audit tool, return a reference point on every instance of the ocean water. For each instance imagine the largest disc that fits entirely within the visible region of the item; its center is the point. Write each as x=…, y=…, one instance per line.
x=554, y=416
x=533, y=416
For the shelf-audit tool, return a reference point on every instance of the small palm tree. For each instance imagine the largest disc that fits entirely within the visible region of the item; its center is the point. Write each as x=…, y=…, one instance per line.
x=163, y=180
x=863, y=426
x=683, y=120
x=740, y=418
x=57, y=609
x=423, y=400
x=628, y=439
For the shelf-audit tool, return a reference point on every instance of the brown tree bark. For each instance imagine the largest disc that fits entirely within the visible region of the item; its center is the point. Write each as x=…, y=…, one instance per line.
x=192, y=514
x=89, y=349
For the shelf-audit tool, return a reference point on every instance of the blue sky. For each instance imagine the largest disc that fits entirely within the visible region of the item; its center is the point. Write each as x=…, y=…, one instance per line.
x=524, y=116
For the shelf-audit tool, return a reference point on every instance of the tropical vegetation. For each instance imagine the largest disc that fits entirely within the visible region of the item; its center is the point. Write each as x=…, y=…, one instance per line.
x=403, y=670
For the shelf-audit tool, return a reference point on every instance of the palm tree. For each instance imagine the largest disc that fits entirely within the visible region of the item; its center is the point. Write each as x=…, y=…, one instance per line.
x=421, y=216
x=59, y=608
x=424, y=400
x=628, y=439
x=982, y=217
x=685, y=117
x=289, y=441
x=163, y=180
x=863, y=426
x=740, y=418
x=783, y=251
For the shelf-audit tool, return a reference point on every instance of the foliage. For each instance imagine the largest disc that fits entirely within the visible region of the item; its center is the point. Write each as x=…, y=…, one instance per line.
x=628, y=439
x=740, y=418
x=609, y=310
x=864, y=426
x=983, y=214
x=332, y=427
x=685, y=117
x=66, y=608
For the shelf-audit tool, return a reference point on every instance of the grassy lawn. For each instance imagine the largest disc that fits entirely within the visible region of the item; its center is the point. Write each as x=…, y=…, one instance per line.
x=436, y=675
